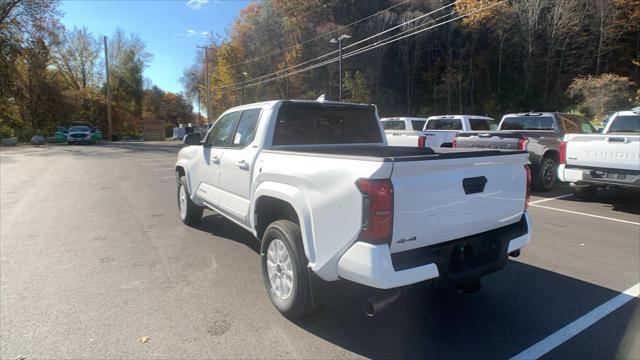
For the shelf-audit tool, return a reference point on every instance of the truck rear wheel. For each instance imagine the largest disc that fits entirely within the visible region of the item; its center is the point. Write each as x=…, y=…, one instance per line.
x=284, y=269
x=583, y=192
x=546, y=176
x=190, y=213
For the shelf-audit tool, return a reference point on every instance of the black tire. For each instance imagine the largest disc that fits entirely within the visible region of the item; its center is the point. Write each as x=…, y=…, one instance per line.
x=546, y=176
x=193, y=213
x=584, y=192
x=299, y=302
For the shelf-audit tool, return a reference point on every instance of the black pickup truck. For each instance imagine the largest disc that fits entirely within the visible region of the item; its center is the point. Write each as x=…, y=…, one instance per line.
x=539, y=133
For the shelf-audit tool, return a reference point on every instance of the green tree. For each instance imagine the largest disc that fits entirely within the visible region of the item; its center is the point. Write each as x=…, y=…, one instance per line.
x=356, y=88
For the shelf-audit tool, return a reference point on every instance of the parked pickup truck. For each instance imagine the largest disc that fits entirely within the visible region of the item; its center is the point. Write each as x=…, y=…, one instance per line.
x=324, y=194
x=538, y=133
x=404, y=131
x=441, y=130
x=589, y=161
x=436, y=131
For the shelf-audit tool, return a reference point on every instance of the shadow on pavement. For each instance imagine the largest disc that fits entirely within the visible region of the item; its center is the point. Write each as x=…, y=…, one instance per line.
x=171, y=147
x=515, y=309
x=621, y=200
x=218, y=225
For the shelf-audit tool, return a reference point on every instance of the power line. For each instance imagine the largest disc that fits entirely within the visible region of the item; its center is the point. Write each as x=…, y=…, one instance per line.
x=369, y=47
x=322, y=35
x=352, y=45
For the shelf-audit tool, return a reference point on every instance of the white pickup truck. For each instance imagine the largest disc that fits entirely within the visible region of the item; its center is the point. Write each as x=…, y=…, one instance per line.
x=404, y=131
x=609, y=159
x=436, y=131
x=319, y=187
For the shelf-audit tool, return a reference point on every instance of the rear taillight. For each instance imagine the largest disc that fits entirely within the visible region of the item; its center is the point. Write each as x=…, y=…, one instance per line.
x=454, y=142
x=377, y=210
x=522, y=143
x=563, y=152
x=528, y=191
x=422, y=140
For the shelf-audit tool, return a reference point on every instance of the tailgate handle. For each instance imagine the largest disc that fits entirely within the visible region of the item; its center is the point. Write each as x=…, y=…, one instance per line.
x=474, y=185
x=616, y=139
x=484, y=135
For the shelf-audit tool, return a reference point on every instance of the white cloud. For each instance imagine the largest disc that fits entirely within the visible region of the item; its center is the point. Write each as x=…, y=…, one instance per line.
x=191, y=32
x=196, y=4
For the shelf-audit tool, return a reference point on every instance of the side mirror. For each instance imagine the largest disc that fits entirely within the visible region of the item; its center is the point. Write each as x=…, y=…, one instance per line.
x=192, y=139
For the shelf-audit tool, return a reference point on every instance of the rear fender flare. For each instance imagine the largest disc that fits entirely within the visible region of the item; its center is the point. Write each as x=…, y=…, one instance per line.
x=297, y=200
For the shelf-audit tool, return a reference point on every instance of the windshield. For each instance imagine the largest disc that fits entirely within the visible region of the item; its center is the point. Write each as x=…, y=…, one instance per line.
x=393, y=125
x=79, y=129
x=625, y=124
x=308, y=123
x=528, y=123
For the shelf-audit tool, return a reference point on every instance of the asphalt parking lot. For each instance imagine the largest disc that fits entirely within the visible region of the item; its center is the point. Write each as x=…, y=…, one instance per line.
x=93, y=258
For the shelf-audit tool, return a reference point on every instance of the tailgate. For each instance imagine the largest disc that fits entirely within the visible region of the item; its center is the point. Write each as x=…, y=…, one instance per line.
x=617, y=151
x=440, y=200
x=398, y=138
x=437, y=138
x=488, y=141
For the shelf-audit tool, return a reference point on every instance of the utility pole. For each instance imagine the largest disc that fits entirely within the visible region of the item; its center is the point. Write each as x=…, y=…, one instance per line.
x=207, y=81
x=339, y=41
x=198, y=93
x=106, y=64
x=244, y=75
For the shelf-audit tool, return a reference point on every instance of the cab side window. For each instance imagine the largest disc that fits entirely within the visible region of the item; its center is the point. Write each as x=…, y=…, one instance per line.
x=220, y=134
x=246, y=130
x=570, y=126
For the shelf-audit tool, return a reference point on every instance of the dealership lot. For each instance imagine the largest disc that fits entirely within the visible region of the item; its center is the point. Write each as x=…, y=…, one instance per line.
x=94, y=257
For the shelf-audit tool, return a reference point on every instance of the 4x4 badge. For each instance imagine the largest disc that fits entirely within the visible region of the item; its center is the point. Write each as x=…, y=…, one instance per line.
x=402, y=241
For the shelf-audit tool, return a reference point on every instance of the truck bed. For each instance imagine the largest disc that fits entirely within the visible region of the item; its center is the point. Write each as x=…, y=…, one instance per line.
x=390, y=153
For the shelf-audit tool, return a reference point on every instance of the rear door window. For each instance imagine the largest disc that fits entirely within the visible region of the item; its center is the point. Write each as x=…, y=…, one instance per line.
x=394, y=125
x=483, y=124
x=418, y=125
x=625, y=124
x=246, y=130
x=444, y=124
x=528, y=123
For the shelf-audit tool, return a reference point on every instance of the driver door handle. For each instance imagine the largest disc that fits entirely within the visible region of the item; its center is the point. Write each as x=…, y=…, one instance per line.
x=243, y=165
x=215, y=160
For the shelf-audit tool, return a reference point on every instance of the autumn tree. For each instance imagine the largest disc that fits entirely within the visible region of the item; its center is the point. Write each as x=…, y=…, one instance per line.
x=602, y=93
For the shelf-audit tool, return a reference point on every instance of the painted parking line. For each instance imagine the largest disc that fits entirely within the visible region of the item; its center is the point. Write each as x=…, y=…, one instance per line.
x=163, y=169
x=585, y=214
x=577, y=326
x=169, y=177
x=549, y=199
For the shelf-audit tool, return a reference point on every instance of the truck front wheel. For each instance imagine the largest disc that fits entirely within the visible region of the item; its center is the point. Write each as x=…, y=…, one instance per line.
x=583, y=192
x=284, y=269
x=190, y=213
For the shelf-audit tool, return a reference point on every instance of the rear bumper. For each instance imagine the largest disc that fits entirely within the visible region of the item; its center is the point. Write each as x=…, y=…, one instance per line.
x=457, y=260
x=624, y=178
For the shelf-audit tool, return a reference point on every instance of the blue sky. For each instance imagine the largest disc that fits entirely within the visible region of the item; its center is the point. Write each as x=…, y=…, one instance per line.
x=171, y=29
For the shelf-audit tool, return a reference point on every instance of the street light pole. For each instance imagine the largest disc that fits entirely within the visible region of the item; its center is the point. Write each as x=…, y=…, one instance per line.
x=339, y=41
